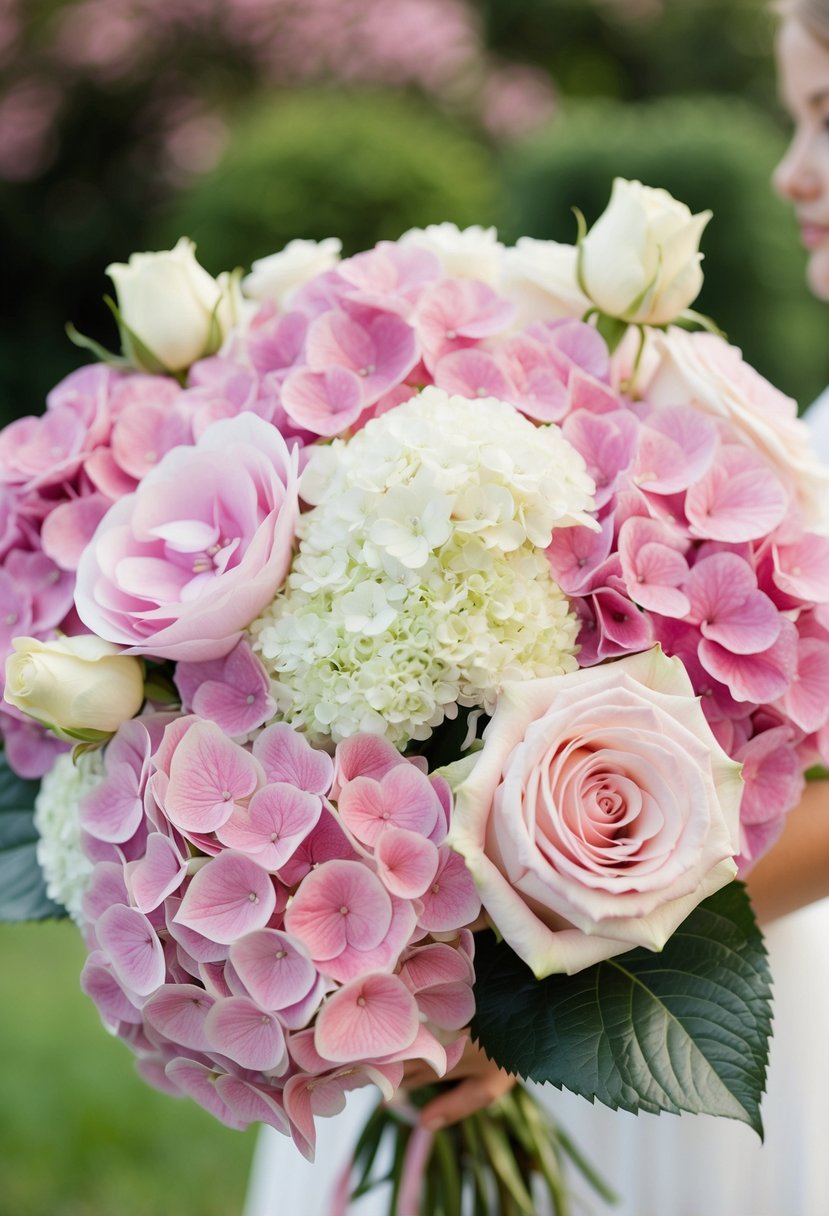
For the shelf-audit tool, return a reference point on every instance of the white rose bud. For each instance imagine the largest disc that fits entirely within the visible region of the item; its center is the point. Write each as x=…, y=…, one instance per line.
x=173, y=307
x=79, y=687
x=640, y=261
x=277, y=276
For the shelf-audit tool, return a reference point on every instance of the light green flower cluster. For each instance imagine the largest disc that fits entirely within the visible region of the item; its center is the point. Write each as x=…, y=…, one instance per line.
x=421, y=581
x=60, y=853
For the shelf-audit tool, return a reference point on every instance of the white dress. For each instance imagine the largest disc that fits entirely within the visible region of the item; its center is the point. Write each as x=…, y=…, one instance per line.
x=691, y=1165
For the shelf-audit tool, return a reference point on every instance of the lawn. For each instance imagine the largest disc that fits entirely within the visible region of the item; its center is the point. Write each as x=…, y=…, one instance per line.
x=80, y=1134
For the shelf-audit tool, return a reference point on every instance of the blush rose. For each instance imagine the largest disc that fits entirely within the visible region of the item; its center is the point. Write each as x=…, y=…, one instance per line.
x=599, y=813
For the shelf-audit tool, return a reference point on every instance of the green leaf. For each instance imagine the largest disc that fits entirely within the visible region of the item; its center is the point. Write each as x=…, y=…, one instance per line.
x=100, y=352
x=22, y=889
x=684, y=1029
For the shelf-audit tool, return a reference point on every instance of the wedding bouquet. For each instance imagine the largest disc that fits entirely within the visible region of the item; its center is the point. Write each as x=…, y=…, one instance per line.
x=369, y=591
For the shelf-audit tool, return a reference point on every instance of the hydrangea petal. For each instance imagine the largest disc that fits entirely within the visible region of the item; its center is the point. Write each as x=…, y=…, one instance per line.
x=252, y=1105
x=157, y=874
x=274, y=825
x=229, y=896
x=237, y=1028
x=275, y=969
x=178, y=1012
x=199, y=1083
x=371, y=1017
x=133, y=948
x=452, y=898
x=339, y=904
x=209, y=775
x=406, y=862
x=286, y=755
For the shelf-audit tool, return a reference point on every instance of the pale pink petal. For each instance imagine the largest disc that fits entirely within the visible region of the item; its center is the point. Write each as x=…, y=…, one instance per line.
x=473, y=373
x=275, y=969
x=354, y=961
x=286, y=755
x=113, y=810
x=801, y=569
x=738, y=499
x=449, y=1006
x=209, y=776
x=807, y=699
x=178, y=1012
x=607, y=442
x=100, y=984
x=274, y=825
x=106, y=887
x=133, y=948
x=325, y=402
x=452, y=899
x=675, y=449
x=368, y=1018
x=363, y=756
x=69, y=528
x=199, y=947
x=433, y=964
x=237, y=1027
x=199, y=1083
x=406, y=862
x=229, y=896
x=341, y=903
x=323, y=843
x=157, y=874
x=403, y=798
x=251, y=1104
x=725, y=603
x=760, y=678
x=575, y=554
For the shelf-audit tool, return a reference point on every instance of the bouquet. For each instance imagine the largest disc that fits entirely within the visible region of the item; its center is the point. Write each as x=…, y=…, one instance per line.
x=365, y=600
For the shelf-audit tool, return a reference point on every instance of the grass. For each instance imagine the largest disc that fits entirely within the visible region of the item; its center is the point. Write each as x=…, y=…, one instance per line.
x=80, y=1133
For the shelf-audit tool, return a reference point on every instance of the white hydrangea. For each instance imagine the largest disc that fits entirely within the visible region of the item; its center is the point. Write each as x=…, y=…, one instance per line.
x=60, y=854
x=421, y=581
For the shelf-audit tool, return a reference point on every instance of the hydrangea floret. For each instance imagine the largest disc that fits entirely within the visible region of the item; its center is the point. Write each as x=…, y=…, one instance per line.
x=421, y=582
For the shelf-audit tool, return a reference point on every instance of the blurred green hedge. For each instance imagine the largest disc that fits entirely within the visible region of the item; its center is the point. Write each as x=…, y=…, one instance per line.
x=360, y=166
x=710, y=153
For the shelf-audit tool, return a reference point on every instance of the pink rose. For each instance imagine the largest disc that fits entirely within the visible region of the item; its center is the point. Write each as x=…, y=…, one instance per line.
x=600, y=813
x=180, y=567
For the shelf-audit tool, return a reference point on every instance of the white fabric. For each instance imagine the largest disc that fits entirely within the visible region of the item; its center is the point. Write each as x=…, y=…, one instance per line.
x=659, y=1165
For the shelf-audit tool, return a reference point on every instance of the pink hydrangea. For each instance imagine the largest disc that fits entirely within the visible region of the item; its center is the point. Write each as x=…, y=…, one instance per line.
x=217, y=952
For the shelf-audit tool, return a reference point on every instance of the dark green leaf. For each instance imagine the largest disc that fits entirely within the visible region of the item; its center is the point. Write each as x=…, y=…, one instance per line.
x=684, y=1029
x=22, y=889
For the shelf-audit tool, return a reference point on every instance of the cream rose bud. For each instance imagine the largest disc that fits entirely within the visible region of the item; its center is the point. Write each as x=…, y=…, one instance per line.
x=600, y=811
x=172, y=305
x=74, y=685
x=640, y=261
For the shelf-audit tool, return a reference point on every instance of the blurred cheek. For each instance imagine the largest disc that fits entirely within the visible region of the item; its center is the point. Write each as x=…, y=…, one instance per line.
x=817, y=273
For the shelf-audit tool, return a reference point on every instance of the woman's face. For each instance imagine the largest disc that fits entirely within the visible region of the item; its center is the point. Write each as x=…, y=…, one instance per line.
x=802, y=176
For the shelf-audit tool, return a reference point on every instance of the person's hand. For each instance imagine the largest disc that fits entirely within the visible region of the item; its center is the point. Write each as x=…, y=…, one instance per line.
x=479, y=1084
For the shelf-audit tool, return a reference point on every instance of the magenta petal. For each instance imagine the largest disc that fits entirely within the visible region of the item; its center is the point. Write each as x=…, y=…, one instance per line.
x=240, y=1030
x=370, y=1017
x=406, y=862
x=229, y=896
x=286, y=755
x=251, y=1104
x=133, y=948
x=208, y=775
x=275, y=824
x=452, y=900
x=178, y=1011
x=199, y=1083
x=275, y=969
x=157, y=874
